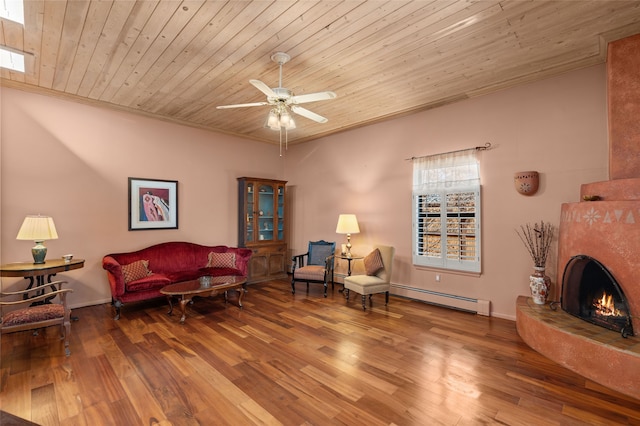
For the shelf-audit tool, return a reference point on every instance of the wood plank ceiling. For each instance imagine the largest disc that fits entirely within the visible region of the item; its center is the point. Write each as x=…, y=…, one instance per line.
x=176, y=60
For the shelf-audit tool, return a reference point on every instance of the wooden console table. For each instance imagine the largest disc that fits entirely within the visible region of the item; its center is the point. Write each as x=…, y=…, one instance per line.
x=39, y=273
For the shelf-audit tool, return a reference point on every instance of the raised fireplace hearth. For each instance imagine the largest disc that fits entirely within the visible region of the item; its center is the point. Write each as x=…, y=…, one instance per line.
x=591, y=293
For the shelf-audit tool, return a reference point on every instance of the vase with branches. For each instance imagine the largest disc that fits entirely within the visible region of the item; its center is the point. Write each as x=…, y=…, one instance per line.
x=537, y=239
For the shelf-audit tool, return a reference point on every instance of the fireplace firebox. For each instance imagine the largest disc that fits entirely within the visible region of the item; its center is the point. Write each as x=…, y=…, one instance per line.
x=591, y=293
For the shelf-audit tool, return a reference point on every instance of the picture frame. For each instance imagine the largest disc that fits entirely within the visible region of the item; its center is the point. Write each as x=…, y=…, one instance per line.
x=153, y=204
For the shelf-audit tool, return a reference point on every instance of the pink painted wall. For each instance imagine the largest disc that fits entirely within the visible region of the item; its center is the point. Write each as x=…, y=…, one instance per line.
x=557, y=127
x=72, y=161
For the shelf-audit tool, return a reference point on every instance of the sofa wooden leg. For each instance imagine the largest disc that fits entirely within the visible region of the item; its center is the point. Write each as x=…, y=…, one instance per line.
x=117, y=305
x=386, y=298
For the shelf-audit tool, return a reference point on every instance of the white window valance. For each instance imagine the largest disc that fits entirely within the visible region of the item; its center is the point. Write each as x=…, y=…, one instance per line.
x=459, y=170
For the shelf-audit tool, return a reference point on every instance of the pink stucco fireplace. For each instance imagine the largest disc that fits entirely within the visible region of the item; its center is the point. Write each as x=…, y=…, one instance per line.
x=606, y=231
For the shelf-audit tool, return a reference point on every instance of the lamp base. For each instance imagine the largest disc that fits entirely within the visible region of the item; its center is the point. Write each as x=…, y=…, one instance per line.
x=39, y=252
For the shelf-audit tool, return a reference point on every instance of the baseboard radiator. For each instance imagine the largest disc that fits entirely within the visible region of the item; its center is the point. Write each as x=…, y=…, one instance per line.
x=481, y=307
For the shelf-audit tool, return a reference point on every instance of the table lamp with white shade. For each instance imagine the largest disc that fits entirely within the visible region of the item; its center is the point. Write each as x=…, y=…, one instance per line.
x=348, y=224
x=38, y=228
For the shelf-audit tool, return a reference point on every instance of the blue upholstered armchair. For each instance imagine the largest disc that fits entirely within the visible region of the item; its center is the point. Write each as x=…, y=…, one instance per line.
x=318, y=267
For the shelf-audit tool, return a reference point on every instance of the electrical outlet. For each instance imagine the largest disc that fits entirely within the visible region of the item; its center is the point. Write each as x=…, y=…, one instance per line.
x=437, y=278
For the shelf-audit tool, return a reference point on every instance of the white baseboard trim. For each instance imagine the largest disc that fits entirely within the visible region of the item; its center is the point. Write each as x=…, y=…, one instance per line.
x=479, y=306
x=90, y=303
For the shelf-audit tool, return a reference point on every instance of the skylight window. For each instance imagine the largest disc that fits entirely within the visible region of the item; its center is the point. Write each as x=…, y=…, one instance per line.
x=11, y=60
x=12, y=10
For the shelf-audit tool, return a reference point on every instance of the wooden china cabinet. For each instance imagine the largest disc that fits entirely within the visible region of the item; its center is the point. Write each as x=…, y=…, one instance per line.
x=261, y=226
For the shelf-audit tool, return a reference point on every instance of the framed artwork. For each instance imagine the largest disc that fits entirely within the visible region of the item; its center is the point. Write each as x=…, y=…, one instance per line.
x=153, y=204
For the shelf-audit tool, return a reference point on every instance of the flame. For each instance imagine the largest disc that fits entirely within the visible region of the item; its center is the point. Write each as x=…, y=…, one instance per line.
x=605, y=306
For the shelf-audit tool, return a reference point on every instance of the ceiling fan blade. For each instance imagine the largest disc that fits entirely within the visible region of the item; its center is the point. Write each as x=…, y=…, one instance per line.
x=242, y=105
x=309, y=114
x=263, y=88
x=313, y=97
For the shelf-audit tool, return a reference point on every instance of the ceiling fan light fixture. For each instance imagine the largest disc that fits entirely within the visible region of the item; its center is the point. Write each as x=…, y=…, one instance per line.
x=286, y=120
x=272, y=122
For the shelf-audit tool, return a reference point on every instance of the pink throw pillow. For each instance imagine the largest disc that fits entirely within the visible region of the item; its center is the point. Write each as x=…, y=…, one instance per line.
x=221, y=260
x=136, y=270
x=373, y=262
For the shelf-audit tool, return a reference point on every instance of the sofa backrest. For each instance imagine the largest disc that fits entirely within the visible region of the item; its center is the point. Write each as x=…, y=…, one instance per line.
x=180, y=256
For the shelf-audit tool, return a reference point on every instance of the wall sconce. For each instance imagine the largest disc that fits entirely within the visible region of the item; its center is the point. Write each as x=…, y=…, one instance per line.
x=38, y=228
x=348, y=224
x=526, y=183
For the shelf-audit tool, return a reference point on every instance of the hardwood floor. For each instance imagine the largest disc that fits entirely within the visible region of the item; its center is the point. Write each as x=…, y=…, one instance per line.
x=293, y=360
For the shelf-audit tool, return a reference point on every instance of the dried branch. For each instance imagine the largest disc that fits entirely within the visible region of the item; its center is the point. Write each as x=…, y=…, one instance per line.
x=537, y=240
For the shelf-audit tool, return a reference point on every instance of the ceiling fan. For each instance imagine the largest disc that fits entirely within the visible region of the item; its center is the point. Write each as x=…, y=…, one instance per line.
x=282, y=100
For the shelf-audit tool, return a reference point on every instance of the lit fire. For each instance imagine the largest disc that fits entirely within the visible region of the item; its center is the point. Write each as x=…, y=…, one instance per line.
x=605, y=306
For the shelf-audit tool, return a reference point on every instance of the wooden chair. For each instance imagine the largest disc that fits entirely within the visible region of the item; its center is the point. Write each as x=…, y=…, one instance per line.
x=37, y=312
x=319, y=265
x=377, y=281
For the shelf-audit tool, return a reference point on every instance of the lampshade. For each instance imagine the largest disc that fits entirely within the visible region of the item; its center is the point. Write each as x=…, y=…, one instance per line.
x=347, y=224
x=38, y=229
x=272, y=120
x=286, y=120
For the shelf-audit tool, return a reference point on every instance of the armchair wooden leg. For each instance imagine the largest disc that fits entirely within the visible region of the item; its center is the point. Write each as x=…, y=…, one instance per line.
x=386, y=298
x=293, y=286
x=67, y=328
x=364, y=301
x=325, y=289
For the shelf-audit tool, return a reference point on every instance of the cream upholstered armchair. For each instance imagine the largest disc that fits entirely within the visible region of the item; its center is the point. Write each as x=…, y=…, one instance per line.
x=377, y=265
x=36, y=312
x=319, y=265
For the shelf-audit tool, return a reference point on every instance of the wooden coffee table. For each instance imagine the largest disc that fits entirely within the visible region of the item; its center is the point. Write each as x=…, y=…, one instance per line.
x=187, y=289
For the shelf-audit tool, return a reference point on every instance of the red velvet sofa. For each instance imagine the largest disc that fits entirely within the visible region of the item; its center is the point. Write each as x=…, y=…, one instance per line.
x=139, y=275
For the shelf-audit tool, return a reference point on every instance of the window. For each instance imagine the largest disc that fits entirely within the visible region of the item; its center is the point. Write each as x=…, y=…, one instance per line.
x=446, y=211
x=11, y=60
x=12, y=10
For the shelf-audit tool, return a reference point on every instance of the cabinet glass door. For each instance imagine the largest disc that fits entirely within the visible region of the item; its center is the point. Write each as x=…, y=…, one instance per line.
x=266, y=212
x=250, y=212
x=280, y=211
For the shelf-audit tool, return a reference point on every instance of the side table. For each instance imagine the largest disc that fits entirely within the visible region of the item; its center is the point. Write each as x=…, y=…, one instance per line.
x=348, y=259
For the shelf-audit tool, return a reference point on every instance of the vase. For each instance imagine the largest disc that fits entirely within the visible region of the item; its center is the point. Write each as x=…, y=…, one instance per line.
x=539, y=284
